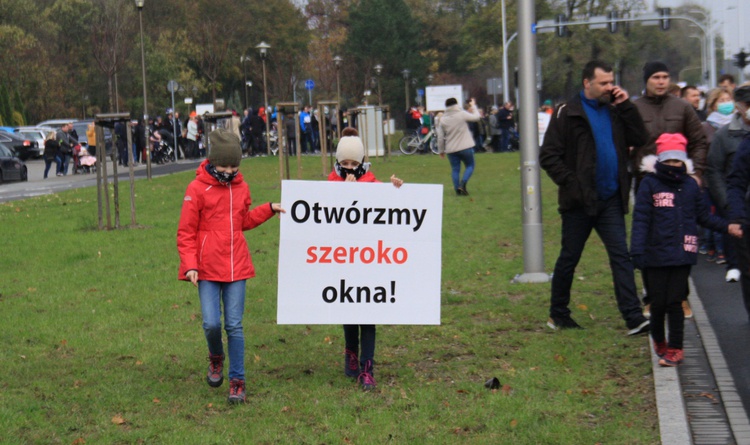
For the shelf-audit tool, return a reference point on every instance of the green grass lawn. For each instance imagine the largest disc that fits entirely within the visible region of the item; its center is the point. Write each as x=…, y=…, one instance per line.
x=102, y=344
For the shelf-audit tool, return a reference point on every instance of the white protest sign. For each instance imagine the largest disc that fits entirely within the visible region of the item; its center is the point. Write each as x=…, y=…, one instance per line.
x=437, y=94
x=359, y=253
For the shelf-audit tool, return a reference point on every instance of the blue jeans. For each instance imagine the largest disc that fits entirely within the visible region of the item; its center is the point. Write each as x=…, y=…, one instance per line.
x=352, y=339
x=465, y=156
x=63, y=165
x=212, y=294
x=609, y=223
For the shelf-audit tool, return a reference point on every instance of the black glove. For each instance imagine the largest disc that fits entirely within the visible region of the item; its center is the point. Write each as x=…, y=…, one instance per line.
x=637, y=261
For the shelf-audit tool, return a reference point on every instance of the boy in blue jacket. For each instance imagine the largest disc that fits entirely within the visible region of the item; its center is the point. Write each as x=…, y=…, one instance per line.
x=664, y=240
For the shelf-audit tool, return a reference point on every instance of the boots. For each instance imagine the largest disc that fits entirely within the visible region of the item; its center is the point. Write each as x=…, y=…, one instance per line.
x=351, y=364
x=367, y=377
x=215, y=376
x=673, y=357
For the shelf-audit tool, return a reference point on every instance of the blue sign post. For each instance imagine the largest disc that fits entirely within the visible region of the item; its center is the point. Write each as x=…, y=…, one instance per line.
x=309, y=85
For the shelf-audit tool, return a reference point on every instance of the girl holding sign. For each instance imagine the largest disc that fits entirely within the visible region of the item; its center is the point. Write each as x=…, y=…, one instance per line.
x=214, y=255
x=351, y=167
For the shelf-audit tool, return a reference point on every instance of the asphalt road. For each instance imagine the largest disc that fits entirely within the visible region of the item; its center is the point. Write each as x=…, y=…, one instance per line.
x=38, y=186
x=726, y=312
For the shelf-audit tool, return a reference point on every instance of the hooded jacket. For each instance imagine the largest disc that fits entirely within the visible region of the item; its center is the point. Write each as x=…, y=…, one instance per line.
x=568, y=153
x=670, y=114
x=210, y=236
x=666, y=216
x=721, y=158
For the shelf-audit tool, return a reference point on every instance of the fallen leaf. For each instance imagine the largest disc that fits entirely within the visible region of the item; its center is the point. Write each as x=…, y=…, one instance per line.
x=507, y=390
x=403, y=394
x=285, y=409
x=513, y=423
x=707, y=395
x=156, y=400
x=257, y=358
x=63, y=342
x=79, y=441
x=175, y=306
x=559, y=358
x=118, y=420
x=210, y=405
x=138, y=363
x=583, y=307
x=32, y=289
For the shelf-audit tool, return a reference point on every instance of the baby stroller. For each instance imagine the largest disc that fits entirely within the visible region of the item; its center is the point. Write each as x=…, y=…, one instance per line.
x=163, y=152
x=83, y=162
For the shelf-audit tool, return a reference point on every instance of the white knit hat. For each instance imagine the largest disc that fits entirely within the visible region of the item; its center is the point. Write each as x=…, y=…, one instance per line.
x=351, y=148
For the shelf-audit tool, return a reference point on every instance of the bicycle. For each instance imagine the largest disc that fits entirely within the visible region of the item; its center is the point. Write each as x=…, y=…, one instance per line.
x=412, y=143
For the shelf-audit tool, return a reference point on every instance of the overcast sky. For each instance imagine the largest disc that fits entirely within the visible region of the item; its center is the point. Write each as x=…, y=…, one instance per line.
x=726, y=16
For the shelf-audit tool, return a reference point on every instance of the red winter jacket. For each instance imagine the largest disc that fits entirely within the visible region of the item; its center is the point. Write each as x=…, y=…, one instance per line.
x=210, y=236
x=367, y=177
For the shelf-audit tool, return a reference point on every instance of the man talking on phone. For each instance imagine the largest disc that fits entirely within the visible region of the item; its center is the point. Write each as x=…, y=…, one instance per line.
x=585, y=152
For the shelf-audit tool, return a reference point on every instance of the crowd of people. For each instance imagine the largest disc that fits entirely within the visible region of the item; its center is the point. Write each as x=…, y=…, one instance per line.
x=689, y=167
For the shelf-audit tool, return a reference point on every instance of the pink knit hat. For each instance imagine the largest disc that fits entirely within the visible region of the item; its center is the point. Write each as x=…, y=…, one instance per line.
x=671, y=146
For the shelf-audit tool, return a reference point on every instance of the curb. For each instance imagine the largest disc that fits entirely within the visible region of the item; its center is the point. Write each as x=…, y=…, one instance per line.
x=673, y=421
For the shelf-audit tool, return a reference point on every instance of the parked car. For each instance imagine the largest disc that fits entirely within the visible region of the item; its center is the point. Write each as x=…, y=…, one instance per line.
x=11, y=168
x=55, y=123
x=81, y=126
x=22, y=147
x=38, y=134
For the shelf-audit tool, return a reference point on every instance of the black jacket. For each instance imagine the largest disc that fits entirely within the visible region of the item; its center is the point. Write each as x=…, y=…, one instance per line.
x=568, y=153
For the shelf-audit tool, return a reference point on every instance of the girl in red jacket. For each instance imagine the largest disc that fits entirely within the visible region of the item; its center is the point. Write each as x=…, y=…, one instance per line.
x=214, y=255
x=351, y=167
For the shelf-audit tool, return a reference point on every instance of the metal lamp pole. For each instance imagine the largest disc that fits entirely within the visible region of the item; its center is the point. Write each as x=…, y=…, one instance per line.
x=406, y=73
x=337, y=61
x=378, y=70
x=139, y=5
x=263, y=48
x=506, y=88
x=244, y=59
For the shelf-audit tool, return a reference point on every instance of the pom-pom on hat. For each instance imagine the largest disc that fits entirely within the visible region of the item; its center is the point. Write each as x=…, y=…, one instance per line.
x=651, y=68
x=351, y=148
x=671, y=146
x=225, y=148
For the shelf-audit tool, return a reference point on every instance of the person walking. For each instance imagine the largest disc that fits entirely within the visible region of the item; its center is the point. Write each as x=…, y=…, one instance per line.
x=359, y=350
x=720, y=159
x=455, y=139
x=665, y=113
x=214, y=255
x=585, y=152
x=664, y=240
x=66, y=143
x=51, y=153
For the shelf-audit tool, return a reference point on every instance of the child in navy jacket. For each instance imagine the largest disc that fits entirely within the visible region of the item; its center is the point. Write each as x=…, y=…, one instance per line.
x=664, y=240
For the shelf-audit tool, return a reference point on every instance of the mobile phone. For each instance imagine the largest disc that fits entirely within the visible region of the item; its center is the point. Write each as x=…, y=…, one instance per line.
x=612, y=96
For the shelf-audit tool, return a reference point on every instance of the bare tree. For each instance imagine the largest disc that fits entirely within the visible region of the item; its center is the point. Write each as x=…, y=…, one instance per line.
x=111, y=32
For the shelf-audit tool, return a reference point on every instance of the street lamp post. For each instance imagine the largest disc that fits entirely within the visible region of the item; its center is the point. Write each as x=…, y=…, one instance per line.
x=249, y=84
x=263, y=48
x=406, y=73
x=244, y=59
x=195, y=99
x=337, y=61
x=139, y=5
x=506, y=91
x=708, y=31
x=378, y=71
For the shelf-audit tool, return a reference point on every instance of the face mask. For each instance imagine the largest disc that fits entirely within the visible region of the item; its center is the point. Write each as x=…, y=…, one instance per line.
x=357, y=172
x=223, y=177
x=725, y=108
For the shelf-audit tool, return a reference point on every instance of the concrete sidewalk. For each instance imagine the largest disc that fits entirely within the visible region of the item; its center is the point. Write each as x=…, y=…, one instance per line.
x=713, y=412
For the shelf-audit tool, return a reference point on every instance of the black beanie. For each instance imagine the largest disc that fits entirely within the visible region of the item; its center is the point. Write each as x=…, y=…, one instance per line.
x=651, y=68
x=225, y=148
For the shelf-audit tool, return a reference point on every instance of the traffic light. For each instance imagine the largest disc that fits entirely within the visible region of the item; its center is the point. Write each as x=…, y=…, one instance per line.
x=664, y=21
x=612, y=15
x=740, y=59
x=562, y=30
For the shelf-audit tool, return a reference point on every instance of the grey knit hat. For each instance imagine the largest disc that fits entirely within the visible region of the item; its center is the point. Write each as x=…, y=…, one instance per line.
x=225, y=148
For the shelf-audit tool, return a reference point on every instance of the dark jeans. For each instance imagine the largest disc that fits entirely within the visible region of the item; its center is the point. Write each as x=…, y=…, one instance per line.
x=609, y=223
x=667, y=286
x=465, y=156
x=505, y=140
x=742, y=248
x=352, y=338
